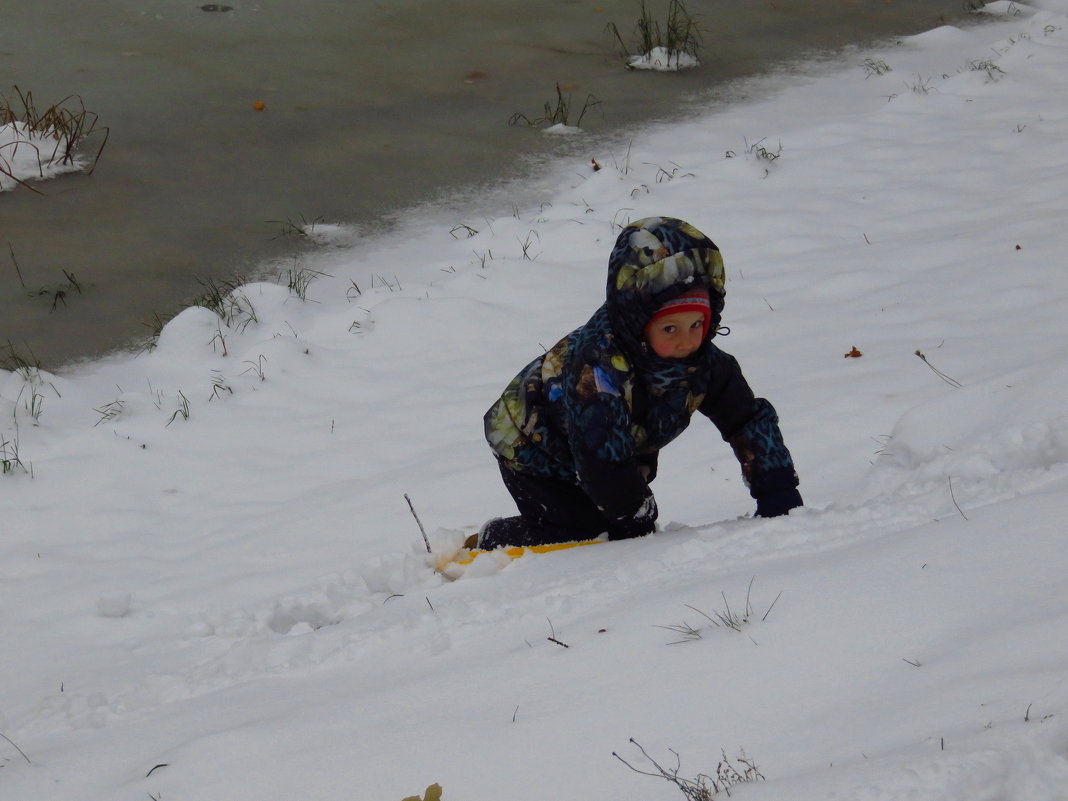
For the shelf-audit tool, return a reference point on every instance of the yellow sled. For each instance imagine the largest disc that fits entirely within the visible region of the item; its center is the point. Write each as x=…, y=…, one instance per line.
x=458, y=563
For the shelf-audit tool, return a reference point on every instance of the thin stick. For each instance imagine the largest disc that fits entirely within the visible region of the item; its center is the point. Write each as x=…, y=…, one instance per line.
x=552, y=638
x=28, y=759
x=954, y=497
x=948, y=379
x=419, y=522
x=777, y=597
x=14, y=261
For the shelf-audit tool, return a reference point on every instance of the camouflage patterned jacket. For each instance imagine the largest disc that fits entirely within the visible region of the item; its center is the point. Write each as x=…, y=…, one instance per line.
x=599, y=405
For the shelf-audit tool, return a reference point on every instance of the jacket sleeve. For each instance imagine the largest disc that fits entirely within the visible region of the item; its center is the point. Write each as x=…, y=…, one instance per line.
x=751, y=426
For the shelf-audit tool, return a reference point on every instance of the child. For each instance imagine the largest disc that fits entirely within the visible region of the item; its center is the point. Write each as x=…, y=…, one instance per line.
x=577, y=432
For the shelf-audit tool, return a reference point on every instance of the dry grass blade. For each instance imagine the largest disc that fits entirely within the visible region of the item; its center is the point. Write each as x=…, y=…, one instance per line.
x=702, y=787
x=16, y=748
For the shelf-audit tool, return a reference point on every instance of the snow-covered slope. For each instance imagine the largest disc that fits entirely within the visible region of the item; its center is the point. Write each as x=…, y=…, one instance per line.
x=211, y=585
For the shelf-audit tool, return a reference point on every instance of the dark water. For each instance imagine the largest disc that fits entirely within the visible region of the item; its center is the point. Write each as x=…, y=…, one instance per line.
x=370, y=107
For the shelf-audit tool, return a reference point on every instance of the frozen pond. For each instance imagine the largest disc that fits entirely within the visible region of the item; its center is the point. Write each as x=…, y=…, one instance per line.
x=369, y=107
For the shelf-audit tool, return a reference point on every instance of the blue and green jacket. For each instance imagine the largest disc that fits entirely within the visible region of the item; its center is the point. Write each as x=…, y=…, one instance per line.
x=596, y=409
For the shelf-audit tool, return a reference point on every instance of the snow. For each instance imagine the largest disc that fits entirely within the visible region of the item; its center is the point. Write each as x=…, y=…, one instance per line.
x=560, y=129
x=211, y=585
x=663, y=60
x=27, y=155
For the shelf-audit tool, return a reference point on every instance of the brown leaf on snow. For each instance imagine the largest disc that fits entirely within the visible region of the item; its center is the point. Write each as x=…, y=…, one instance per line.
x=853, y=353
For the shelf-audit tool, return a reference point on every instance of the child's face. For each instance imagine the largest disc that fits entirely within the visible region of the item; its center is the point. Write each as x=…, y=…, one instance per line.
x=676, y=336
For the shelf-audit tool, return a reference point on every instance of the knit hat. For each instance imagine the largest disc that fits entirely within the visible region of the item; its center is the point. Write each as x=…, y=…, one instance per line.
x=694, y=300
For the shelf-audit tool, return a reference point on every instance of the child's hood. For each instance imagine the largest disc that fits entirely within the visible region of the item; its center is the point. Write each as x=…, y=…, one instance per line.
x=655, y=260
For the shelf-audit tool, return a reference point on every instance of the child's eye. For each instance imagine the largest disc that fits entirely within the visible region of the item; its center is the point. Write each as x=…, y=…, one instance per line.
x=670, y=329
x=697, y=324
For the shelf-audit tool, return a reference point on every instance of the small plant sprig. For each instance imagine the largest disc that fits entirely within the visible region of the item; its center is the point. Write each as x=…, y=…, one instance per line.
x=921, y=87
x=59, y=292
x=292, y=230
x=34, y=403
x=29, y=370
x=110, y=411
x=992, y=70
x=559, y=114
x=182, y=410
x=680, y=34
x=395, y=286
x=463, y=230
x=67, y=123
x=155, y=328
x=219, y=387
x=25, y=365
x=528, y=243
x=256, y=367
x=761, y=153
x=10, y=460
x=948, y=379
x=665, y=175
x=727, y=618
x=300, y=278
x=702, y=787
x=875, y=66
x=231, y=305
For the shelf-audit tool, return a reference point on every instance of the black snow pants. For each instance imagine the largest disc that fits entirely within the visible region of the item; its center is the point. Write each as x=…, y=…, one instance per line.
x=549, y=511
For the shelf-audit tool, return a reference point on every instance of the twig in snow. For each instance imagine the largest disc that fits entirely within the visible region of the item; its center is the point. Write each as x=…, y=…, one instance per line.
x=418, y=522
x=954, y=497
x=28, y=759
x=552, y=638
x=777, y=597
x=949, y=380
x=702, y=787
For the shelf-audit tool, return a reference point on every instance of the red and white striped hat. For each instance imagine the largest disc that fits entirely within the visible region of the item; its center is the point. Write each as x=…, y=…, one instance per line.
x=694, y=300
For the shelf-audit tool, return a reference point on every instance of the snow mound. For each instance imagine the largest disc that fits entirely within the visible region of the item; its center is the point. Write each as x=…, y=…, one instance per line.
x=26, y=156
x=663, y=60
x=1016, y=421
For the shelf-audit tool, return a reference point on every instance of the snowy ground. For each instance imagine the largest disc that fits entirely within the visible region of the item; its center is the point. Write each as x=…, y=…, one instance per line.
x=211, y=586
